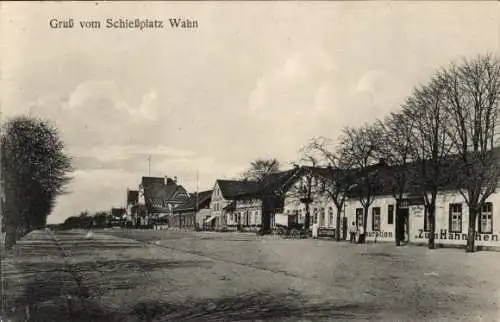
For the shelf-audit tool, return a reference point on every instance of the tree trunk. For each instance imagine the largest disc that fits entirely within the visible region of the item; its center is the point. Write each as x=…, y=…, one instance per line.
x=337, y=230
x=266, y=222
x=397, y=222
x=471, y=235
x=307, y=219
x=362, y=237
x=432, y=225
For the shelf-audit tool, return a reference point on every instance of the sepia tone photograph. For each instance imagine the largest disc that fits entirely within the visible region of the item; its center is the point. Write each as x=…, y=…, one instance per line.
x=250, y=161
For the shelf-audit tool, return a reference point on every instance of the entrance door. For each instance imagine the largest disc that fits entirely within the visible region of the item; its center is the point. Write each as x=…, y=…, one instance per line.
x=402, y=222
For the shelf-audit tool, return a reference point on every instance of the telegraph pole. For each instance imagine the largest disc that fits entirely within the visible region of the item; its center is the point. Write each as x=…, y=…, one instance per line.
x=2, y=218
x=149, y=165
x=196, y=208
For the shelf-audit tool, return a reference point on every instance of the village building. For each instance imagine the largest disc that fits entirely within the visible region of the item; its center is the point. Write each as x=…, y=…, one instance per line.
x=451, y=214
x=308, y=190
x=193, y=211
x=157, y=197
x=247, y=205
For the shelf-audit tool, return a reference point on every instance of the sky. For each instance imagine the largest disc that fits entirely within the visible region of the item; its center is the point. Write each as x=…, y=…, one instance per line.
x=254, y=80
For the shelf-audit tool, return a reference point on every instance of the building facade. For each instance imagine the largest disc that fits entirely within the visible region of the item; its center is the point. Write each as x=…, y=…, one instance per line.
x=248, y=205
x=157, y=197
x=191, y=213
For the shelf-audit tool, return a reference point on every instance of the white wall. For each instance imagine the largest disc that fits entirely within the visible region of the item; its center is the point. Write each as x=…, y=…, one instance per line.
x=201, y=215
x=217, y=203
x=442, y=232
x=387, y=231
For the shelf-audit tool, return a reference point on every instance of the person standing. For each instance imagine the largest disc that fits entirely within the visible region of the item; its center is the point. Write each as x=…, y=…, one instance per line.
x=315, y=227
x=352, y=232
x=361, y=232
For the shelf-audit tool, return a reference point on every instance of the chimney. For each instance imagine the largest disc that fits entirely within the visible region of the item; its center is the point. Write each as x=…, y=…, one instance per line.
x=166, y=180
x=175, y=179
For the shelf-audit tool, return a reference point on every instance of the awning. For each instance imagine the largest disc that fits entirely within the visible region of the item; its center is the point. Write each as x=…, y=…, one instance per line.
x=210, y=219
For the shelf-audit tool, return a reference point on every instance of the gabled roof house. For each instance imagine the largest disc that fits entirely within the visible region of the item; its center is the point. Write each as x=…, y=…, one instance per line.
x=161, y=195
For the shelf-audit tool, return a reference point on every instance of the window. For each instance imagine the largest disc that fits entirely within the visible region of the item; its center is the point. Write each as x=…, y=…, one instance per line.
x=455, y=217
x=486, y=219
x=359, y=217
x=322, y=217
x=315, y=216
x=323, y=185
x=376, y=219
x=330, y=216
x=390, y=214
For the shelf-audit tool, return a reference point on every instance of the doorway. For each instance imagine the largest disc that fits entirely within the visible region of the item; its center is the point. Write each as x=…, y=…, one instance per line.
x=402, y=229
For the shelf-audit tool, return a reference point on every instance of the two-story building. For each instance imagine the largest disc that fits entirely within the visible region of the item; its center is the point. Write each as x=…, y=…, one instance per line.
x=248, y=205
x=158, y=197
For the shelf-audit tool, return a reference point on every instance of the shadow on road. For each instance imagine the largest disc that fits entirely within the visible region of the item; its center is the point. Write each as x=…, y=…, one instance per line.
x=249, y=307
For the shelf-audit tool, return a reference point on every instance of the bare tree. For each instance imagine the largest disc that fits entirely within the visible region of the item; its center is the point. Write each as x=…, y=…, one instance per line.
x=472, y=92
x=337, y=172
x=360, y=148
x=305, y=191
x=431, y=146
x=396, y=151
x=260, y=168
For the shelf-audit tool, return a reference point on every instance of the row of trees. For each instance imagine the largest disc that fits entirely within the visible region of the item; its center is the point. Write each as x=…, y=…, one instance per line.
x=100, y=219
x=444, y=136
x=35, y=171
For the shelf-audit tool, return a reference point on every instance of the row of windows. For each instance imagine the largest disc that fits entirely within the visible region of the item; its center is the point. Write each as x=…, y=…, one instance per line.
x=318, y=217
x=375, y=217
x=244, y=218
x=485, y=218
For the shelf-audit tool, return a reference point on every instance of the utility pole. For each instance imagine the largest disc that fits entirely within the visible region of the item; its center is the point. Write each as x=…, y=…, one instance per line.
x=197, y=173
x=2, y=218
x=149, y=165
x=196, y=203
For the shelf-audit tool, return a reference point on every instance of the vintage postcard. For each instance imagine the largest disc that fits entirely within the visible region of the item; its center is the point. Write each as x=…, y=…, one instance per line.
x=250, y=161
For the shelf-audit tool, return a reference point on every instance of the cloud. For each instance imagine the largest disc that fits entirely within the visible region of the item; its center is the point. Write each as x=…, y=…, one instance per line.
x=287, y=96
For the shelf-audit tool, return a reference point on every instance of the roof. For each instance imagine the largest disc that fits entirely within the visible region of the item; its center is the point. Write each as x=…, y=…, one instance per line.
x=195, y=200
x=384, y=178
x=235, y=189
x=232, y=189
x=132, y=197
x=158, y=192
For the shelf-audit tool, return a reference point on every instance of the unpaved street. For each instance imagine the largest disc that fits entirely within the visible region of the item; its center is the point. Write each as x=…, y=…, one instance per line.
x=186, y=276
